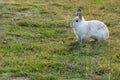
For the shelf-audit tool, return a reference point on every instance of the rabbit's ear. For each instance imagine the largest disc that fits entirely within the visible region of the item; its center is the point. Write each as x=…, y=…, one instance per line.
x=79, y=14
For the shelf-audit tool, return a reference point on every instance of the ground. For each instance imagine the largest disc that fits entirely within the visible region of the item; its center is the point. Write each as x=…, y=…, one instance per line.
x=37, y=42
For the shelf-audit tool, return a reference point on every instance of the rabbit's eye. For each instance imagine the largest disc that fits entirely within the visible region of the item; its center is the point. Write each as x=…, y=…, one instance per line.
x=76, y=20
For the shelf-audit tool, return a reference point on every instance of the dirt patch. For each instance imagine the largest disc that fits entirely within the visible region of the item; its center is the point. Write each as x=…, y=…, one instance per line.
x=15, y=38
x=26, y=13
x=7, y=1
x=20, y=78
x=2, y=33
x=1, y=1
x=21, y=14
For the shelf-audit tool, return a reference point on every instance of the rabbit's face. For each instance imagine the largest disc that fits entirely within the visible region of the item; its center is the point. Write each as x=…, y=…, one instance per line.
x=76, y=21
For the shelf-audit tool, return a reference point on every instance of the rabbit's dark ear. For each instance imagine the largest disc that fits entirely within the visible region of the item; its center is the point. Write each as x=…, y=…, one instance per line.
x=79, y=13
x=79, y=10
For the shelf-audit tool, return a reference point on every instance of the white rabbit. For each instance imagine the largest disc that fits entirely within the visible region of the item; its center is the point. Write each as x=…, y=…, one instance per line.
x=89, y=29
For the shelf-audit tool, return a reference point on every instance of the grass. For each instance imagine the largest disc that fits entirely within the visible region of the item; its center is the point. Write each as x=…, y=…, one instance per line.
x=37, y=42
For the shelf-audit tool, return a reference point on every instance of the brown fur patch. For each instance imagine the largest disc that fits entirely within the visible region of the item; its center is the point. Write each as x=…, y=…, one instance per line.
x=80, y=16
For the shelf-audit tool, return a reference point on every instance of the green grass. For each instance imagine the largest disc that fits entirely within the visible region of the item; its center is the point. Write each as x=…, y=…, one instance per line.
x=37, y=42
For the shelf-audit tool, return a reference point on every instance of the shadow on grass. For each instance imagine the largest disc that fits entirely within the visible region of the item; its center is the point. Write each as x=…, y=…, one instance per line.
x=75, y=46
x=89, y=48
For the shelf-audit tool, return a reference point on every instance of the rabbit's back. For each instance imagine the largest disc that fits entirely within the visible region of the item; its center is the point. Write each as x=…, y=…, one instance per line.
x=98, y=29
x=96, y=25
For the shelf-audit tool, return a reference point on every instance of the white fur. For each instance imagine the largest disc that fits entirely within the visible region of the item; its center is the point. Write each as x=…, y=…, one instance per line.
x=89, y=29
